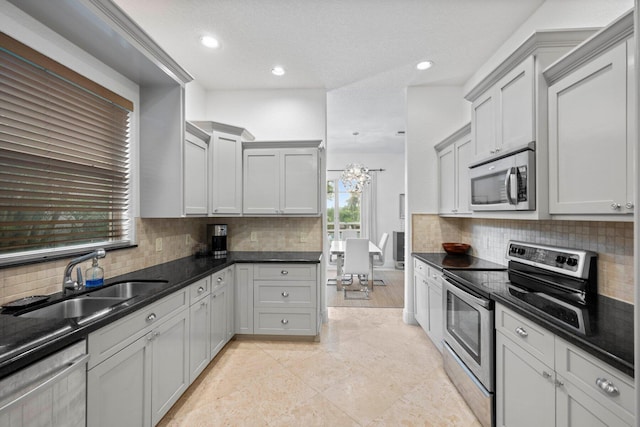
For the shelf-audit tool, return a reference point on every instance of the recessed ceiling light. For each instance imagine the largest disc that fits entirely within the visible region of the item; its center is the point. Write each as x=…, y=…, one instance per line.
x=277, y=71
x=424, y=65
x=210, y=42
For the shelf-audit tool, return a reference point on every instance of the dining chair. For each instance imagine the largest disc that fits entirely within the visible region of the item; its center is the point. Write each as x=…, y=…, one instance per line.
x=356, y=262
x=378, y=260
x=348, y=233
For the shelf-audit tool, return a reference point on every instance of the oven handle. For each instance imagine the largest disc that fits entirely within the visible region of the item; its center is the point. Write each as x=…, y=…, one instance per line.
x=467, y=296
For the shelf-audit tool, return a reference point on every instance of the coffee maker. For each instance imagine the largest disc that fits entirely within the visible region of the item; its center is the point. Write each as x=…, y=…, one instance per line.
x=218, y=235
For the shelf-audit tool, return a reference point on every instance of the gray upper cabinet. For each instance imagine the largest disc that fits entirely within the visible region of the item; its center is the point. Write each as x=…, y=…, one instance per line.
x=591, y=132
x=281, y=178
x=509, y=108
x=196, y=171
x=225, y=167
x=454, y=155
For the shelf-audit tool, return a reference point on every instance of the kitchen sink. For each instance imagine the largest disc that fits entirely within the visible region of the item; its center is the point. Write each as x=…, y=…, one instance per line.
x=128, y=289
x=76, y=307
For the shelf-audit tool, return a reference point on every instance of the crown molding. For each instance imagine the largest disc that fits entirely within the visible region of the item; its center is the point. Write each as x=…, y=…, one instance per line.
x=464, y=130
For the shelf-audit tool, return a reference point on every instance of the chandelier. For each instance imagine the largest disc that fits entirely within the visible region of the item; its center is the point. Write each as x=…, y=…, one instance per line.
x=354, y=177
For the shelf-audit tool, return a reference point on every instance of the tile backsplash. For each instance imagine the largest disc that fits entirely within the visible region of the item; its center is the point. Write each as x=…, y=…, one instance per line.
x=272, y=234
x=613, y=241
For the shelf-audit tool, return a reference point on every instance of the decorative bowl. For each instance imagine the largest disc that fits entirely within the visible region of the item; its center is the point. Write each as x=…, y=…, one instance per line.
x=456, y=248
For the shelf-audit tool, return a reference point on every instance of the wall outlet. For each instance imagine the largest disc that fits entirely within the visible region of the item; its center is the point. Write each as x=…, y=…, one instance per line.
x=187, y=239
x=254, y=236
x=159, y=244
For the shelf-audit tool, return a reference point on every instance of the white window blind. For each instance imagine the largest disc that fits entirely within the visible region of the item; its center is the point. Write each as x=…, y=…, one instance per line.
x=64, y=158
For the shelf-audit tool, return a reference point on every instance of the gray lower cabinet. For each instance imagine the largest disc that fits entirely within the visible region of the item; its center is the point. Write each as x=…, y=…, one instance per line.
x=429, y=312
x=139, y=365
x=222, y=285
x=542, y=380
x=244, y=299
x=199, y=324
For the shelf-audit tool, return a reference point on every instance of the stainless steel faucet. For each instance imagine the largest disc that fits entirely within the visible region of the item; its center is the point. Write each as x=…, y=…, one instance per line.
x=68, y=284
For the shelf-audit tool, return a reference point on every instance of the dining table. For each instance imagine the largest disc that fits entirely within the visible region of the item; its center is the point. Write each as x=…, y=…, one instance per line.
x=337, y=248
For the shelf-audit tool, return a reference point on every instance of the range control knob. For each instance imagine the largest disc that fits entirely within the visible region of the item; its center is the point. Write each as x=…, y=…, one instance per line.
x=521, y=251
x=560, y=259
x=572, y=262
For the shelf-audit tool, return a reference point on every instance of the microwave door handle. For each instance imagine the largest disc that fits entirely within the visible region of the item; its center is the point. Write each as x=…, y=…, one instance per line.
x=507, y=186
x=515, y=179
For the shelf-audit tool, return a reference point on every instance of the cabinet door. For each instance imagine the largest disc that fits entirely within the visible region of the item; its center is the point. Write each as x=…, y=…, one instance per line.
x=244, y=299
x=483, y=125
x=588, y=138
x=299, y=181
x=422, y=301
x=226, y=171
x=464, y=156
x=231, y=308
x=525, y=392
x=218, y=328
x=118, y=388
x=199, y=345
x=436, y=313
x=170, y=364
x=446, y=168
x=574, y=408
x=261, y=181
x=515, y=96
x=195, y=175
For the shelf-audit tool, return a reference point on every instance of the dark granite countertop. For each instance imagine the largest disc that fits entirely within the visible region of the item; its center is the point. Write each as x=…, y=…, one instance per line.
x=442, y=260
x=610, y=338
x=25, y=340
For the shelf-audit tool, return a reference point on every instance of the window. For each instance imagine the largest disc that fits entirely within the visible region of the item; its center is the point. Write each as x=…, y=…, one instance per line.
x=343, y=211
x=64, y=159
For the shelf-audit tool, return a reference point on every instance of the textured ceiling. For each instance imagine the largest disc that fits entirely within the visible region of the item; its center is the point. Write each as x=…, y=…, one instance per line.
x=362, y=51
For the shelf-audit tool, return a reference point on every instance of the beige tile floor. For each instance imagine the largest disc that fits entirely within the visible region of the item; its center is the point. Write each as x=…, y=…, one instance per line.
x=369, y=369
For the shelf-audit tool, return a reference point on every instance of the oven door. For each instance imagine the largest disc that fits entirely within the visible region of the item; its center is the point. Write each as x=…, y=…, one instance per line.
x=469, y=331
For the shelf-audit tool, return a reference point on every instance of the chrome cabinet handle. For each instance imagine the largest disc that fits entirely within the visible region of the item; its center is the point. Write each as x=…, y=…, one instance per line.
x=607, y=386
x=151, y=317
x=200, y=290
x=285, y=294
x=629, y=205
x=492, y=151
x=520, y=331
x=284, y=272
x=546, y=374
x=203, y=304
x=558, y=383
x=219, y=279
x=284, y=321
x=615, y=206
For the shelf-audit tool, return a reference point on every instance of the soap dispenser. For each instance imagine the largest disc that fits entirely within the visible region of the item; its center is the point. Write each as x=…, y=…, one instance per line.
x=94, y=276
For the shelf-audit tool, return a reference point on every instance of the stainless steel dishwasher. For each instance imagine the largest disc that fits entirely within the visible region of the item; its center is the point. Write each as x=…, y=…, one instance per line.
x=49, y=392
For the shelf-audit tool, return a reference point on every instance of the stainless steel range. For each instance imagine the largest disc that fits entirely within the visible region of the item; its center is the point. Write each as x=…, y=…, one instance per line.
x=559, y=285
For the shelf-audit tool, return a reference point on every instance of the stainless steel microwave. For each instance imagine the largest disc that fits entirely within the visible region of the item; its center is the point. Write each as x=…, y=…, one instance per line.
x=505, y=183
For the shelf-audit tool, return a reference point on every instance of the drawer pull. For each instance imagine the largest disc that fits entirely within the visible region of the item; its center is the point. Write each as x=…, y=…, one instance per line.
x=151, y=317
x=285, y=294
x=284, y=321
x=219, y=279
x=546, y=374
x=520, y=331
x=284, y=272
x=607, y=386
x=200, y=290
x=559, y=383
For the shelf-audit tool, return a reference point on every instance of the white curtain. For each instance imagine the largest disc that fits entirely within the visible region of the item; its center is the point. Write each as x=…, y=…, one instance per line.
x=369, y=209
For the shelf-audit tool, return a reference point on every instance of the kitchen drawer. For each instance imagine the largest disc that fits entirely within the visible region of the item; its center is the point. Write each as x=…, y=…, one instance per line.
x=420, y=268
x=293, y=321
x=199, y=289
x=277, y=294
x=284, y=272
x=585, y=371
x=534, y=339
x=107, y=341
x=220, y=278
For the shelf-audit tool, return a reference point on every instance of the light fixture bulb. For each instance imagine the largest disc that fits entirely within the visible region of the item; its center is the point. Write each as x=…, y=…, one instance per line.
x=424, y=65
x=277, y=71
x=210, y=42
